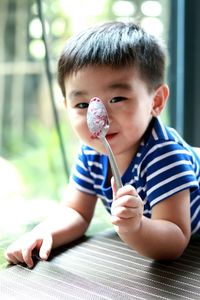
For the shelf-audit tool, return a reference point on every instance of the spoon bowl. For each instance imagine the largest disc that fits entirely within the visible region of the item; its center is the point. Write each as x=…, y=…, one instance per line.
x=97, y=118
x=98, y=124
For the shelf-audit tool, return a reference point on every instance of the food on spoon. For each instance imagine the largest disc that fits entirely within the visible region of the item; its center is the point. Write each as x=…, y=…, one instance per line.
x=97, y=118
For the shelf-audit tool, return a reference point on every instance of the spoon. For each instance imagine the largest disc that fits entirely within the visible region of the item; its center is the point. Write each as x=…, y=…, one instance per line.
x=98, y=124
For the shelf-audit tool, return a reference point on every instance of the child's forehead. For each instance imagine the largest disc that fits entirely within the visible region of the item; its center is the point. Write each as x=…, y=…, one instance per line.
x=102, y=78
x=104, y=72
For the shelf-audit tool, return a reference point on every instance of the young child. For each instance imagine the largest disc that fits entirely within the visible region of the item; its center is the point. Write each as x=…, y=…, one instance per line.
x=158, y=207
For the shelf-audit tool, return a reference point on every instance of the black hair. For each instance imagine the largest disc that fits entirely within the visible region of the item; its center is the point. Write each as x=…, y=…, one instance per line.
x=114, y=44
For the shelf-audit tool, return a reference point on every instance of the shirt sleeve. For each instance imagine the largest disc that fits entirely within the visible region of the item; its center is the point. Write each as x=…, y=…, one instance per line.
x=80, y=177
x=170, y=168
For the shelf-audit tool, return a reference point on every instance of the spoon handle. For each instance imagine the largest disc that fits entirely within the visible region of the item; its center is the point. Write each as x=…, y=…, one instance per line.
x=113, y=163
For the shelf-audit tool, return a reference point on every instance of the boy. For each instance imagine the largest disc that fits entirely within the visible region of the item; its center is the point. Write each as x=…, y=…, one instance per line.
x=157, y=208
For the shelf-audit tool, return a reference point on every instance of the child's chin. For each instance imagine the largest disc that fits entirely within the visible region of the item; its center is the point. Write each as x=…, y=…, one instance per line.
x=99, y=149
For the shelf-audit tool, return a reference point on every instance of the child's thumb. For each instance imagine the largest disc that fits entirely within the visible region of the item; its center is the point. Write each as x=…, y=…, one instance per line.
x=114, y=189
x=46, y=247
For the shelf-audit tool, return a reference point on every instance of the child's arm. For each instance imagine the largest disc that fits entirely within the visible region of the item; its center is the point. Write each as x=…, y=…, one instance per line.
x=165, y=235
x=68, y=223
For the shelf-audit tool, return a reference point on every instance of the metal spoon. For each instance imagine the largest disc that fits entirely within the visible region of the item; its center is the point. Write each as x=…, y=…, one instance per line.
x=98, y=124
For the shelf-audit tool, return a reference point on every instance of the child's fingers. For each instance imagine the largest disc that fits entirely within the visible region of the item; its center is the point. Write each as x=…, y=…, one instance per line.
x=13, y=254
x=125, y=213
x=127, y=201
x=12, y=259
x=46, y=247
x=127, y=190
x=31, y=242
x=21, y=251
x=27, y=256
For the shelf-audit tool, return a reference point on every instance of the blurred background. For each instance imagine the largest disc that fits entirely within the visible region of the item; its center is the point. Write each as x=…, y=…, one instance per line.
x=37, y=146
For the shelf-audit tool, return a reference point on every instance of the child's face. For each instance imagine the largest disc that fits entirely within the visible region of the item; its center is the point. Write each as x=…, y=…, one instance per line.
x=129, y=104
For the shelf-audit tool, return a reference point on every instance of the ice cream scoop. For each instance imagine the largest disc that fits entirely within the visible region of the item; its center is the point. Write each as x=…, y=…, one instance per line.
x=98, y=124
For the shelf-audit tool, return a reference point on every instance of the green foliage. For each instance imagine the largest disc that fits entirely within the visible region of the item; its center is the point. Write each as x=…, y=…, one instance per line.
x=3, y=262
x=40, y=164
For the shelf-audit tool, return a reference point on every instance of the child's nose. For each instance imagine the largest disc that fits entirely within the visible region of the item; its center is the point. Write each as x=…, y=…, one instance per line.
x=110, y=113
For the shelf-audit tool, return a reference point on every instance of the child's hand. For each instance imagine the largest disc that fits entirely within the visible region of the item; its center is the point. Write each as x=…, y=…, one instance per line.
x=127, y=209
x=21, y=249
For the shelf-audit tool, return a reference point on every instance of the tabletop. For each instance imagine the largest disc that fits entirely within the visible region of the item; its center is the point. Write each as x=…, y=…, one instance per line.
x=103, y=267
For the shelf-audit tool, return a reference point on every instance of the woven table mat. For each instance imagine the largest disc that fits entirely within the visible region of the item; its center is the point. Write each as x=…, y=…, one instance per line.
x=104, y=267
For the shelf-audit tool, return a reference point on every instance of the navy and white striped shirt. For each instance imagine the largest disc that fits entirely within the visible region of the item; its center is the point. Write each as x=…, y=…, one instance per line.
x=163, y=166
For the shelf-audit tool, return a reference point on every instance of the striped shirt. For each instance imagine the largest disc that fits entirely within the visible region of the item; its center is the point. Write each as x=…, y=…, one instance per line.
x=163, y=166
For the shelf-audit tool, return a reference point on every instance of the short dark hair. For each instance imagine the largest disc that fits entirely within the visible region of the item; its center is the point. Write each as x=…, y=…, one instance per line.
x=114, y=44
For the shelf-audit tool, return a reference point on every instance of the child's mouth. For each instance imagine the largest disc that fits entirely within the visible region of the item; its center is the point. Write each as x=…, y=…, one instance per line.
x=110, y=136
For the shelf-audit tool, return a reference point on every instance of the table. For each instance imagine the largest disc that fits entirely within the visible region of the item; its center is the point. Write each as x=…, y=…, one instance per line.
x=103, y=267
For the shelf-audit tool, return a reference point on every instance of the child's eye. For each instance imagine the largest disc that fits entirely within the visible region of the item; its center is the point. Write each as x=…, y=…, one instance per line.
x=82, y=105
x=117, y=99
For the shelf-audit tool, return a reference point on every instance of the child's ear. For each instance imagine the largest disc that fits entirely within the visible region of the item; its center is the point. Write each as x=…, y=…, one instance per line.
x=160, y=99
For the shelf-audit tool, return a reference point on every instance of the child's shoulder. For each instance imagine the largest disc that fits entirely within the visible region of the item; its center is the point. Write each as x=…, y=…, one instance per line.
x=163, y=139
x=87, y=153
x=160, y=133
x=86, y=150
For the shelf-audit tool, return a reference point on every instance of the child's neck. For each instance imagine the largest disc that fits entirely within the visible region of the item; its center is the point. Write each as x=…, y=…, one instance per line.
x=122, y=165
x=123, y=161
